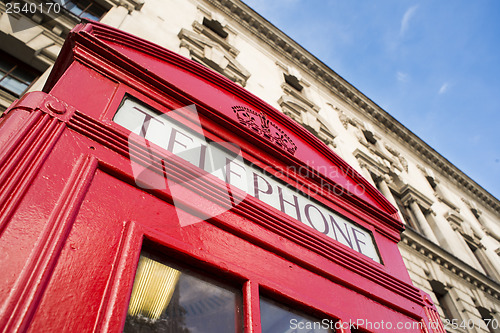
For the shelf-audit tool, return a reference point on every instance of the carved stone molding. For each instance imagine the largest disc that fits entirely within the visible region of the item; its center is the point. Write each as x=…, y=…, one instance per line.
x=455, y=220
x=203, y=30
x=210, y=43
x=465, y=229
x=409, y=193
x=384, y=177
x=488, y=226
x=383, y=157
x=212, y=54
x=369, y=135
x=299, y=97
x=373, y=142
x=374, y=165
x=344, y=119
x=129, y=4
x=439, y=191
x=296, y=89
x=308, y=117
x=402, y=160
x=295, y=104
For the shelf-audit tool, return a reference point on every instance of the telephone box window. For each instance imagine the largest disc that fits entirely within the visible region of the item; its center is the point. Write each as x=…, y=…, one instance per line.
x=277, y=318
x=168, y=299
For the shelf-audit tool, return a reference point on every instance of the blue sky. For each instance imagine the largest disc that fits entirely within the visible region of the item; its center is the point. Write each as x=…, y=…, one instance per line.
x=433, y=65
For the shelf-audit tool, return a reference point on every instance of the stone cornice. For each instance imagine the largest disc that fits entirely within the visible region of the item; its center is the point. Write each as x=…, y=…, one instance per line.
x=449, y=262
x=289, y=49
x=409, y=193
x=373, y=166
x=129, y=4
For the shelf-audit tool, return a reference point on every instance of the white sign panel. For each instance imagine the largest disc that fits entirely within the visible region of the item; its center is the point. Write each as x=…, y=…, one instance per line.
x=167, y=133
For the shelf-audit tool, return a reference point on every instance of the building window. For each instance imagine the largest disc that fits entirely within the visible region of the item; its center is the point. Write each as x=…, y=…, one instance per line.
x=445, y=300
x=429, y=176
x=475, y=250
x=405, y=212
x=216, y=27
x=293, y=81
x=85, y=8
x=370, y=137
x=210, y=44
x=490, y=322
x=166, y=298
x=15, y=76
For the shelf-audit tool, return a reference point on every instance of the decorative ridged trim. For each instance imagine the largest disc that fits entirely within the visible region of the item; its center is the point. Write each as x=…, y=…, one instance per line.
x=111, y=308
x=434, y=320
x=24, y=298
x=21, y=159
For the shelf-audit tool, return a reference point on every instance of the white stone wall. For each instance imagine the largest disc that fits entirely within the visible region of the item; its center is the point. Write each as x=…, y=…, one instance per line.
x=452, y=212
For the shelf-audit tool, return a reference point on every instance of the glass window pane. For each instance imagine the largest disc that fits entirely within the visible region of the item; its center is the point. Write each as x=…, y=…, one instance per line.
x=165, y=299
x=276, y=318
x=23, y=74
x=15, y=86
x=95, y=12
x=5, y=65
x=76, y=7
x=84, y=8
x=15, y=76
x=90, y=16
x=75, y=10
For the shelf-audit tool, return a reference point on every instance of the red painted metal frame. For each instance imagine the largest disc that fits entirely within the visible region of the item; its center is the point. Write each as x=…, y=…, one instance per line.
x=73, y=222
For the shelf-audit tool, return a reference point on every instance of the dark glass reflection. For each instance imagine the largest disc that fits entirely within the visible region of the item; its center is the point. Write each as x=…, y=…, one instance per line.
x=276, y=318
x=168, y=300
x=15, y=77
x=84, y=8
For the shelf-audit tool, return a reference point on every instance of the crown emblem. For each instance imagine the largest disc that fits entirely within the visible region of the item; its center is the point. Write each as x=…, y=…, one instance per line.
x=259, y=123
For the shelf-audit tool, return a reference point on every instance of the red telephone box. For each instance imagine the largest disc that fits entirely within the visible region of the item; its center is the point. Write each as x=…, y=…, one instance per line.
x=142, y=192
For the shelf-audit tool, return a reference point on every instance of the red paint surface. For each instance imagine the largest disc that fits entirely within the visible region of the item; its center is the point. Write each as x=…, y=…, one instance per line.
x=73, y=222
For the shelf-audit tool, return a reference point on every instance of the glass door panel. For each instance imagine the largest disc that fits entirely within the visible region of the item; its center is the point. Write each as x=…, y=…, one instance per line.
x=172, y=300
x=277, y=318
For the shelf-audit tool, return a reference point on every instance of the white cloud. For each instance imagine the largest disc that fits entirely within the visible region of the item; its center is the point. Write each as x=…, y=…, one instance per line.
x=443, y=88
x=402, y=77
x=405, y=21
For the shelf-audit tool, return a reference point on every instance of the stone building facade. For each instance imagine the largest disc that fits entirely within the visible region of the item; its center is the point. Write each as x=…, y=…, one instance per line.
x=452, y=242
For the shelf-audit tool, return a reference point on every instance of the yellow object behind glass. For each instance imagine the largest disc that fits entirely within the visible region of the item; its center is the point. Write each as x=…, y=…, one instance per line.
x=153, y=288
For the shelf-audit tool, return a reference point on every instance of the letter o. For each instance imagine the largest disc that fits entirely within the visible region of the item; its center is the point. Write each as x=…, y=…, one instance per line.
x=308, y=216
